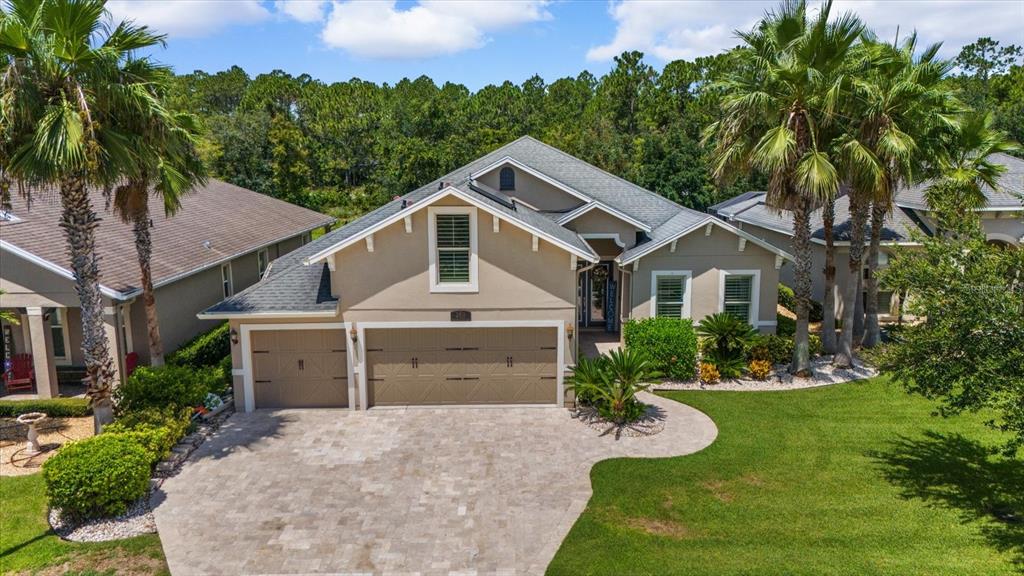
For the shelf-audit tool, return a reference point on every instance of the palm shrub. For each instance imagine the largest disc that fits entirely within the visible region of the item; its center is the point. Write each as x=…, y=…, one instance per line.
x=725, y=342
x=611, y=382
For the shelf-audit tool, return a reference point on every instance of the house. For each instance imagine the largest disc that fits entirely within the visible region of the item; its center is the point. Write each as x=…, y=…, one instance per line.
x=223, y=239
x=473, y=289
x=1002, y=219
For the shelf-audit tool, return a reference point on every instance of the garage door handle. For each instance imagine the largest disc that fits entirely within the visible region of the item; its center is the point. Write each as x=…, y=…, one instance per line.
x=340, y=378
x=508, y=361
x=549, y=347
x=263, y=381
x=261, y=351
x=472, y=378
x=454, y=378
x=302, y=364
x=471, y=348
x=548, y=377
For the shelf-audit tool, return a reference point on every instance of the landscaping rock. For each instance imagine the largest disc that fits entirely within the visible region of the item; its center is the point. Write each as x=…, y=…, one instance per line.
x=780, y=379
x=137, y=520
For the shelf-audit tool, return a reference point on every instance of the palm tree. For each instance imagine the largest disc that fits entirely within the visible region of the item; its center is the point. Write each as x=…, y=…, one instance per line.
x=908, y=108
x=169, y=168
x=789, y=82
x=828, y=319
x=60, y=61
x=964, y=168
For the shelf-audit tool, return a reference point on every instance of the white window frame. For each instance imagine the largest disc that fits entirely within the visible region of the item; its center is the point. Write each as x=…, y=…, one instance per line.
x=262, y=261
x=65, y=334
x=474, y=281
x=227, y=277
x=755, y=297
x=687, y=292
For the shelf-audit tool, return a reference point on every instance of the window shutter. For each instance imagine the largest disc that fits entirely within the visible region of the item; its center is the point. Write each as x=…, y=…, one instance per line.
x=738, y=296
x=452, y=248
x=669, y=296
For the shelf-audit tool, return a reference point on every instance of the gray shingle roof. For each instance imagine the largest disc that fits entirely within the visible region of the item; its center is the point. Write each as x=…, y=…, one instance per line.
x=750, y=208
x=1009, y=196
x=298, y=287
x=216, y=222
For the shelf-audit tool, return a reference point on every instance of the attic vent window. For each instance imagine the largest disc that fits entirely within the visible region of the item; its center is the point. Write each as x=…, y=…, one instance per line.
x=507, y=179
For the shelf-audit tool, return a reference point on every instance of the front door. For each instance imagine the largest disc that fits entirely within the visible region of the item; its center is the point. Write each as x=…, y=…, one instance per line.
x=597, y=291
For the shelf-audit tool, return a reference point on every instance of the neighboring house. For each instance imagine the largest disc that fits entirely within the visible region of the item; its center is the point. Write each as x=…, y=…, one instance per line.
x=473, y=289
x=222, y=241
x=1002, y=220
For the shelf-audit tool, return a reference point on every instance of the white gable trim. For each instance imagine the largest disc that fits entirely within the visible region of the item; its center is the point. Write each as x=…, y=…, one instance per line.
x=60, y=270
x=533, y=172
x=569, y=217
x=417, y=206
x=652, y=246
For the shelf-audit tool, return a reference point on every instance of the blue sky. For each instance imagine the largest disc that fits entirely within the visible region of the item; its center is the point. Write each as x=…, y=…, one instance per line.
x=477, y=43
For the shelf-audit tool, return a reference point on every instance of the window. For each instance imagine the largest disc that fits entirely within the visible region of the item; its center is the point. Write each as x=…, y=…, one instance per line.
x=507, y=179
x=59, y=331
x=304, y=239
x=453, y=259
x=225, y=279
x=670, y=293
x=740, y=294
x=263, y=260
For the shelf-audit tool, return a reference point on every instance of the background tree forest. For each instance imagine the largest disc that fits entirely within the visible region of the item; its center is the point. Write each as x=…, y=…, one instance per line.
x=347, y=147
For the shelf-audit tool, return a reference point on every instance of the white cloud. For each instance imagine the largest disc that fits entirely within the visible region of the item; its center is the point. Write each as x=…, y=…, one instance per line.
x=302, y=10
x=686, y=29
x=429, y=28
x=188, y=18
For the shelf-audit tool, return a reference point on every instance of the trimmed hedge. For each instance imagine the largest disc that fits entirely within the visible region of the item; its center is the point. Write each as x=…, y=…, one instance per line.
x=206, y=349
x=52, y=407
x=778, y=349
x=158, y=430
x=671, y=343
x=165, y=386
x=98, y=476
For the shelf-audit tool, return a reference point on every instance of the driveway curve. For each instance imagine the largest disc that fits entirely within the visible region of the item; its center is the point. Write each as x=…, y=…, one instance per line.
x=424, y=490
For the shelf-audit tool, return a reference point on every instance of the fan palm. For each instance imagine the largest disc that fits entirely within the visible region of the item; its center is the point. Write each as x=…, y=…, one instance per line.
x=964, y=168
x=169, y=167
x=60, y=63
x=788, y=83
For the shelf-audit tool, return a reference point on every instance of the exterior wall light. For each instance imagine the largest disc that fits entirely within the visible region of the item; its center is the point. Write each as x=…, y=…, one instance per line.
x=353, y=334
x=234, y=336
x=569, y=328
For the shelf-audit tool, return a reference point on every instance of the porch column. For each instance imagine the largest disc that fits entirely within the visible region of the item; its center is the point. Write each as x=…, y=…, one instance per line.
x=111, y=322
x=42, y=353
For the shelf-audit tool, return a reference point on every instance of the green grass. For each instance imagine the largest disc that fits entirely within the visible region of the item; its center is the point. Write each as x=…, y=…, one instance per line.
x=852, y=479
x=27, y=545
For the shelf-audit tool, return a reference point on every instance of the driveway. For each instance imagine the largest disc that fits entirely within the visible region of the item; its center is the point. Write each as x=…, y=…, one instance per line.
x=427, y=490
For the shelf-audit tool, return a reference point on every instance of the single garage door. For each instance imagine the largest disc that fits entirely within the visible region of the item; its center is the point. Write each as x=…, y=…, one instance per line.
x=424, y=366
x=299, y=368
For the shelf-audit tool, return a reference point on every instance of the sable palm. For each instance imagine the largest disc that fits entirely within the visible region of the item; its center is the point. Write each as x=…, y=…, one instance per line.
x=964, y=169
x=59, y=64
x=788, y=83
x=169, y=167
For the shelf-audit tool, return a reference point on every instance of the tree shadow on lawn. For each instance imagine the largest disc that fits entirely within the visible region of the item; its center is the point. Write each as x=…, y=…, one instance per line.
x=962, y=474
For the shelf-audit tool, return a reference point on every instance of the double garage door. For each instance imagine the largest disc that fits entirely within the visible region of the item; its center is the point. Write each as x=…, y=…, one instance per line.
x=425, y=366
x=407, y=366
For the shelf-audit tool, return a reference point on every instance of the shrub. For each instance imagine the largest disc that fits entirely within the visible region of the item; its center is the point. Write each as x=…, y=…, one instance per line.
x=759, y=369
x=97, y=477
x=784, y=325
x=158, y=430
x=611, y=382
x=670, y=343
x=206, y=349
x=52, y=407
x=709, y=373
x=224, y=377
x=788, y=300
x=165, y=386
x=725, y=340
x=771, y=347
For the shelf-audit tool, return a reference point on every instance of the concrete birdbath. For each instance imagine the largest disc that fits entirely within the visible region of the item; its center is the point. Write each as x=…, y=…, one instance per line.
x=31, y=419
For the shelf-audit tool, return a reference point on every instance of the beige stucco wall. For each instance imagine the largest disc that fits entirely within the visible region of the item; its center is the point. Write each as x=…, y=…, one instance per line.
x=28, y=284
x=597, y=221
x=1004, y=226
x=706, y=257
x=532, y=190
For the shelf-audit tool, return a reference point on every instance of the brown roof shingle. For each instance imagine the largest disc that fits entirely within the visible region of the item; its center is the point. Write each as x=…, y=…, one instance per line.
x=231, y=219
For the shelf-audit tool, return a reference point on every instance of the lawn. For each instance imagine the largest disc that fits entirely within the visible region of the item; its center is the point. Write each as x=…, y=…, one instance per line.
x=851, y=479
x=28, y=546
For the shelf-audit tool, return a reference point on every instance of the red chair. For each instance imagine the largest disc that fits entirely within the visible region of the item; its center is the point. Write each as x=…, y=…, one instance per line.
x=131, y=362
x=21, y=375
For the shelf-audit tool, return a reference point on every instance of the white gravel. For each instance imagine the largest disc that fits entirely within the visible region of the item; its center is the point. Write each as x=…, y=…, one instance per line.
x=136, y=521
x=780, y=379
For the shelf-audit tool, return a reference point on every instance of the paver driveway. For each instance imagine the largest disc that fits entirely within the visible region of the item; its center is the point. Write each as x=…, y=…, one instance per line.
x=433, y=491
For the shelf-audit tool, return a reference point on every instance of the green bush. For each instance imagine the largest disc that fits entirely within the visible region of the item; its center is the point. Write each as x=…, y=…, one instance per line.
x=784, y=325
x=788, y=300
x=158, y=430
x=97, y=477
x=206, y=349
x=165, y=386
x=778, y=349
x=224, y=378
x=53, y=407
x=611, y=382
x=724, y=342
x=669, y=342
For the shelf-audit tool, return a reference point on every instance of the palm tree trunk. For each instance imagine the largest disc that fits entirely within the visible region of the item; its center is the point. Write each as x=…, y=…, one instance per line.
x=828, y=320
x=873, y=334
x=144, y=249
x=851, y=292
x=79, y=221
x=801, y=365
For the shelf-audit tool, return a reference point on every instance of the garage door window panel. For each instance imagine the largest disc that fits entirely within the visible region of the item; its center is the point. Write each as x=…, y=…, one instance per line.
x=453, y=252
